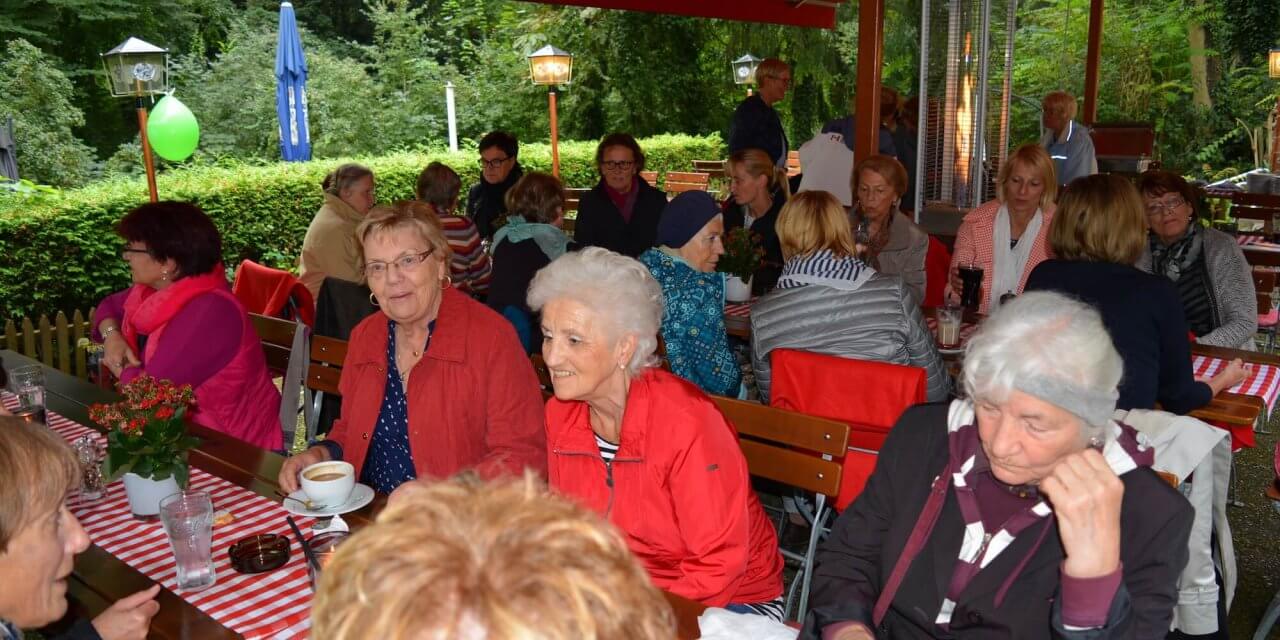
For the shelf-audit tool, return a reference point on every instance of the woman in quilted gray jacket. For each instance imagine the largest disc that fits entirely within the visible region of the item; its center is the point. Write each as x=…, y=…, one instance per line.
x=828, y=301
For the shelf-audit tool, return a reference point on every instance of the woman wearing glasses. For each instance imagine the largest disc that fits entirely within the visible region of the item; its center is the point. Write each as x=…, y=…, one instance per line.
x=434, y=382
x=499, y=171
x=1205, y=265
x=179, y=322
x=621, y=213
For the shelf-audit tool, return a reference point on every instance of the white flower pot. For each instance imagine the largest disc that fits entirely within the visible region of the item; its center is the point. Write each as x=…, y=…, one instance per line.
x=735, y=290
x=145, y=494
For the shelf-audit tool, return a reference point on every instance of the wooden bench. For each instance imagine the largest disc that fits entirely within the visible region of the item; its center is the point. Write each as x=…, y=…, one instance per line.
x=713, y=168
x=1257, y=206
x=678, y=182
x=651, y=177
x=793, y=163
x=324, y=371
x=572, y=198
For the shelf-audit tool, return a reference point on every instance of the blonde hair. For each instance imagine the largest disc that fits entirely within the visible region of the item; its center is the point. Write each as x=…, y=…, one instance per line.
x=771, y=68
x=504, y=561
x=343, y=177
x=1099, y=219
x=405, y=215
x=812, y=221
x=887, y=167
x=1061, y=102
x=37, y=469
x=758, y=163
x=1034, y=157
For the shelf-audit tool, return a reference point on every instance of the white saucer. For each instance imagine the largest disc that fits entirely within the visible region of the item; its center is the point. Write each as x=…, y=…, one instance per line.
x=360, y=496
x=950, y=351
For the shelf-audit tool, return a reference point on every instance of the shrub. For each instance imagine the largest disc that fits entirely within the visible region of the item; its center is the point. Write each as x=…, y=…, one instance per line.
x=61, y=253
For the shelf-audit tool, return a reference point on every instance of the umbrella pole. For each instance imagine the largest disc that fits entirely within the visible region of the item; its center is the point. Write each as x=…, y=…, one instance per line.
x=146, y=146
x=555, y=135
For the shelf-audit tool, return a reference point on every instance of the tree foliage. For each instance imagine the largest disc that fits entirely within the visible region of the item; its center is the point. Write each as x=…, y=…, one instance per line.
x=39, y=97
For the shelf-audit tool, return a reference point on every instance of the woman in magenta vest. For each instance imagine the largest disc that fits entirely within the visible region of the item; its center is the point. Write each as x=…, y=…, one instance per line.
x=180, y=322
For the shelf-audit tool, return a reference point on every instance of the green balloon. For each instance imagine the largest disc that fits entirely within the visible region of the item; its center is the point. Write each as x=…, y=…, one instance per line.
x=172, y=130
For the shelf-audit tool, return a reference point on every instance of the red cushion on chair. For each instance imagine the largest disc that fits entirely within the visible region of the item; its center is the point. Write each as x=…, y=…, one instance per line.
x=267, y=291
x=937, y=264
x=867, y=395
x=1268, y=319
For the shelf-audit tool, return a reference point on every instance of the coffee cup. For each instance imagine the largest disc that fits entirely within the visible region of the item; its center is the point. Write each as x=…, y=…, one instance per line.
x=328, y=484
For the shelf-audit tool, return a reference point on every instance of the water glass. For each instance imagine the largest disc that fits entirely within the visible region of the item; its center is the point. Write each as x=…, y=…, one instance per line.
x=28, y=384
x=950, y=319
x=188, y=520
x=92, y=482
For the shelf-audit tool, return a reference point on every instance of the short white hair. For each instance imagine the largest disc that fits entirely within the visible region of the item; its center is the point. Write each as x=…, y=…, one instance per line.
x=617, y=288
x=1047, y=337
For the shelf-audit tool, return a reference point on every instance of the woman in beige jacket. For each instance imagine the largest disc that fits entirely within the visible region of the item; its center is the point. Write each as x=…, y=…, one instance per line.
x=330, y=249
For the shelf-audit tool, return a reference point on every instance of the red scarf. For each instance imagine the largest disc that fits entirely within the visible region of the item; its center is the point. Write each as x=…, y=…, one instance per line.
x=147, y=310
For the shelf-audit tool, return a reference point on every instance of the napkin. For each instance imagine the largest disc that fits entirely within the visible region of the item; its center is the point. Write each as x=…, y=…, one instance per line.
x=722, y=624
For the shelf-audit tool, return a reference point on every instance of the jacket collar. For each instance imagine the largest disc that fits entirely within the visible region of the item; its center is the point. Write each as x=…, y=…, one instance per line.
x=342, y=209
x=576, y=435
x=448, y=343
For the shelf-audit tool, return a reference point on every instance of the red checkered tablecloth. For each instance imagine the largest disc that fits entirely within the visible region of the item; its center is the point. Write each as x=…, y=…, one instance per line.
x=1264, y=382
x=1256, y=241
x=276, y=604
x=738, y=309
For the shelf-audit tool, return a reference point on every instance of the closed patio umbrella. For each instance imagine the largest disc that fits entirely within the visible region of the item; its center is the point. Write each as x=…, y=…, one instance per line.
x=8, y=151
x=291, y=89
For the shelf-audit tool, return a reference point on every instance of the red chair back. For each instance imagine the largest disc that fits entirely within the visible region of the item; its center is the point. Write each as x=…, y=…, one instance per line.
x=273, y=293
x=937, y=264
x=868, y=395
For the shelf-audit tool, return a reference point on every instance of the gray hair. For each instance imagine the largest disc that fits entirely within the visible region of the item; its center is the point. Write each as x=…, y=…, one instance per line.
x=1053, y=347
x=619, y=289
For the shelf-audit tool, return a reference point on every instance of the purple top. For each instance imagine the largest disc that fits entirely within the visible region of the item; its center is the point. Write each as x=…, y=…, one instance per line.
x=199, y=340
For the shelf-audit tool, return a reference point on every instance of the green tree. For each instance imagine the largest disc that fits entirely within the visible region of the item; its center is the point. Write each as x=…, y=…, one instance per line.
x=39, y=97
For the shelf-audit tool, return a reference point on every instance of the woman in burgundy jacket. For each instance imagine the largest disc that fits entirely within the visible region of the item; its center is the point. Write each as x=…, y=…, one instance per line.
x=434, y=383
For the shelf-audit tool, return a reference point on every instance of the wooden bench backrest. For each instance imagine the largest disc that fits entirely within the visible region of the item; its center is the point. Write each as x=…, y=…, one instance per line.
x=793, y=162
x=681, y=181
x=770, y=437
x=572, y=198
x=713, y=168
x=651, y=177
x=325, y=368
x=277, y=339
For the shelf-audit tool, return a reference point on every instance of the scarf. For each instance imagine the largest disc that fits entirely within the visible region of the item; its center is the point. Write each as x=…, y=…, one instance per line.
x=625, y=202
x=549, y=238
x=874, y=245
x=826, y=269
x=1174, y=260
x=147, y=310
x=1011, y=261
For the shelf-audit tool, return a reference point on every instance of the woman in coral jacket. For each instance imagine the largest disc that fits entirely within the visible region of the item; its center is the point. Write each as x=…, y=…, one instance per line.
x=643, y=447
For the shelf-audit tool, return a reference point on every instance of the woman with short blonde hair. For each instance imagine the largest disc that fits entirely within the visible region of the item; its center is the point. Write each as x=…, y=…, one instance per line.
x=892, y=243
x=404, y=215
x=829, y=301
x=504, y=561
x=1098, y=232
x=1007, y=237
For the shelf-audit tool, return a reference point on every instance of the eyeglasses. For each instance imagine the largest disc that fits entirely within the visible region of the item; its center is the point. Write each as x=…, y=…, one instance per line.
x=617, y=165
x=406, y=264
x=494, y=163
x=1161, y=209
x=124, y=253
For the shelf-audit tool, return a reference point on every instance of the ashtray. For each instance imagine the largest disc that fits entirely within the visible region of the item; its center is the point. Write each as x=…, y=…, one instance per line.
x=259, y=553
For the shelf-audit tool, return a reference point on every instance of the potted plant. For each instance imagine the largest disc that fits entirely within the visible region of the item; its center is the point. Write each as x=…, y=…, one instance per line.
x=147, y=441
x=741, y=259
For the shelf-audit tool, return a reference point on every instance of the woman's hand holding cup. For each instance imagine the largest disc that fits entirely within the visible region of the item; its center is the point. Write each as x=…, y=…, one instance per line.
x=293, y=466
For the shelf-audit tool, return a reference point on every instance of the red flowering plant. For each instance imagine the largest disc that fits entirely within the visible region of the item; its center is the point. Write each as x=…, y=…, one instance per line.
x=147, y=431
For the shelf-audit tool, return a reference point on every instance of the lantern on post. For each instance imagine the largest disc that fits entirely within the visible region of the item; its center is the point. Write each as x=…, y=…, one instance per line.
x=138, y=68
x=550, y=66
x=744, y=70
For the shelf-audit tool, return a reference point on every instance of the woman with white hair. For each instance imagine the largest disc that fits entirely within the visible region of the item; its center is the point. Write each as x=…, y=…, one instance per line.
x=643, y=447
x=1022, y=511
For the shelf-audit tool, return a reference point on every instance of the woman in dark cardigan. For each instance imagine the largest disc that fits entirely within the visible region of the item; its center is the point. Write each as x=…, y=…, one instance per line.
x=1098, y=233
x=621, y=213
x=1025, y=512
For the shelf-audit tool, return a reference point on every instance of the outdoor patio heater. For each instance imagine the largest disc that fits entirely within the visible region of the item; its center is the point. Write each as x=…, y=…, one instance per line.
x=966, y=73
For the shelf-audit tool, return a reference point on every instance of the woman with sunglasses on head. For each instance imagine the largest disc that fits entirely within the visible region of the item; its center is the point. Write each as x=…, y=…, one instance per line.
x=1207, y=267
x=434, y=382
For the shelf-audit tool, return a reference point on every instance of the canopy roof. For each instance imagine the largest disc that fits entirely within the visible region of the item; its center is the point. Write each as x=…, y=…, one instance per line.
x=800, y=13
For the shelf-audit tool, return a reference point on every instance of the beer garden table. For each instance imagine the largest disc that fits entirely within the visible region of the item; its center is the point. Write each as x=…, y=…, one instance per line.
x=100, y=578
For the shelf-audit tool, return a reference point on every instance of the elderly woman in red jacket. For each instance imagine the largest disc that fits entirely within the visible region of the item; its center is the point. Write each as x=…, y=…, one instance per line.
x=1008, y=236
x=643, y=447
x=434, y=382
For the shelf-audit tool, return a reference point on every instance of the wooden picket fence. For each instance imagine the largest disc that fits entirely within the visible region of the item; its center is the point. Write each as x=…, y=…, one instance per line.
x=59, y=344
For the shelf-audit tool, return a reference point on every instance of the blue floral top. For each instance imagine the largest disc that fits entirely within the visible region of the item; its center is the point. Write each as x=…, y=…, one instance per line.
x=389, y=462
x=693, y=324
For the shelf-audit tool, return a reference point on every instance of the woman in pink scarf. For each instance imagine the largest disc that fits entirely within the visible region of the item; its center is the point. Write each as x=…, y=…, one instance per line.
x=180, y=322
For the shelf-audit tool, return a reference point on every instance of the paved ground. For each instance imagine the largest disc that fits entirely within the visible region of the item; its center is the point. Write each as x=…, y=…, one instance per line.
x=1255, y=529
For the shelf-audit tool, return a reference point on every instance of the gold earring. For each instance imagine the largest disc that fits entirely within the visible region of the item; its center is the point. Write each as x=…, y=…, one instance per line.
x=446, y=282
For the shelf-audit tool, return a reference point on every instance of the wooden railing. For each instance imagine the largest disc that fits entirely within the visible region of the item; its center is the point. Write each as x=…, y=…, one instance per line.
x=59, y=344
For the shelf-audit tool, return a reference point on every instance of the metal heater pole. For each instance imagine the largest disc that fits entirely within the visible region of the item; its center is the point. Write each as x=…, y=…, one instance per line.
x=146, y=145
x=555, y=135
x=922, y=111
x=977, y=172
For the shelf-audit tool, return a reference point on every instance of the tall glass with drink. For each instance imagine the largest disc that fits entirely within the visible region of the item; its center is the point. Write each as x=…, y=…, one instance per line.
x=971, y=281
x=188, y=521
x=949, y=320
x=28, y=384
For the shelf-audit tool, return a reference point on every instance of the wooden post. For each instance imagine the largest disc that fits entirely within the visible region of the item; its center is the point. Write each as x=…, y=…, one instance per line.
x=870, y=57
x=555, y=135
x=1093, y=56
x=146, y=145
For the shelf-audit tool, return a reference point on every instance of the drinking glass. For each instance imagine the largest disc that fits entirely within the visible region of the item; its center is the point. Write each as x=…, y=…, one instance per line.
x=971, y=279
x=28, y=383
x=188, y=521
x=949, y=321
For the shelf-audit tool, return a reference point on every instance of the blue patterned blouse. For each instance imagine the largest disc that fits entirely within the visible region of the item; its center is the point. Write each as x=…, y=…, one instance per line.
x=389, y=462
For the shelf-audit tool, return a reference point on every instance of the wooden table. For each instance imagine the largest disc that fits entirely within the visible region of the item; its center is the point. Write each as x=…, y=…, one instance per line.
x=1233, y=408
x=100, y=579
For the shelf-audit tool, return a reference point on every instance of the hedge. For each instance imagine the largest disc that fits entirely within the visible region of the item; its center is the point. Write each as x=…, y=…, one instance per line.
x=60, y=253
